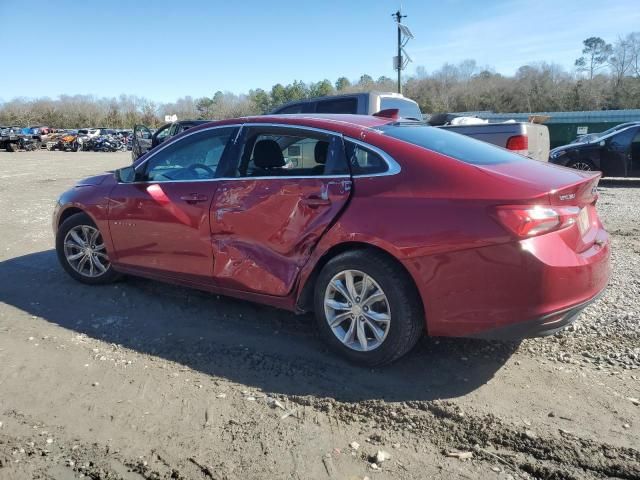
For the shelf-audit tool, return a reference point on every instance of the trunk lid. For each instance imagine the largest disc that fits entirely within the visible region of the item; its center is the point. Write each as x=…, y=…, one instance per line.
x=564, y=189
x=551, y=184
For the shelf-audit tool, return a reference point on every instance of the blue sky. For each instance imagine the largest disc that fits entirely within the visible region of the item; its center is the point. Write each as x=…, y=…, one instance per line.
x=168, y=49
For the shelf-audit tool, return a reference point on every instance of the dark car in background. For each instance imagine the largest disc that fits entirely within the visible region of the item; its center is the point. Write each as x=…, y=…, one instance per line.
x=589, y=137
x=615, y=154
x=144, y=139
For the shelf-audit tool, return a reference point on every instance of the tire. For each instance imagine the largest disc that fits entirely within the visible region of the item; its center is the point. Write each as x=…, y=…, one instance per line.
x=88, y=273
x=12, y=147
x=401, y=305
x=584, y=165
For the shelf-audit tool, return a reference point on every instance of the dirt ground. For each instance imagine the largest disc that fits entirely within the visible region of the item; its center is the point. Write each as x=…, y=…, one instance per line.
x=142, y=380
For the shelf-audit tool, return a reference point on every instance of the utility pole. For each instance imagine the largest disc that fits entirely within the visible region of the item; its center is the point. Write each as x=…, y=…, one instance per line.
x=398, y=15
x=404, y=35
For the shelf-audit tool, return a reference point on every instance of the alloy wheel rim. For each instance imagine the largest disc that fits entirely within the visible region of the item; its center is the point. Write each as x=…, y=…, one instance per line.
x=357, y=310
x=85, y=251
x=582, y=166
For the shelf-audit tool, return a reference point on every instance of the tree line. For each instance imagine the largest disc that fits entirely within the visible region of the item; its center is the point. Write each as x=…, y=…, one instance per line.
x=606, y=76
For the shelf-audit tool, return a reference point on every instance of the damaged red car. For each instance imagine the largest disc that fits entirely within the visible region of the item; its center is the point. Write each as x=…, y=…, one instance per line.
x=386, y=229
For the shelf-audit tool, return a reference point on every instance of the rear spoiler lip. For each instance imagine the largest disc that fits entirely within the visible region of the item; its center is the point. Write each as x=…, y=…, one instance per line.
x=581, y=192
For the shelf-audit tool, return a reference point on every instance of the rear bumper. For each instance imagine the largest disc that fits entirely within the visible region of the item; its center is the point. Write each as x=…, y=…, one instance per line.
x=515, y=290
x=538, y=327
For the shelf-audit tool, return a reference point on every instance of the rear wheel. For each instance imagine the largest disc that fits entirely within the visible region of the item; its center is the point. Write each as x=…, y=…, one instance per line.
x=82, y=252
x=584, y=165
x=367, y=307
x=12, y=147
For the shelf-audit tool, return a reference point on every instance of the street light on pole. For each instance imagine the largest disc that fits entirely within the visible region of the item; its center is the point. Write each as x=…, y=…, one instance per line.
x=401, y=60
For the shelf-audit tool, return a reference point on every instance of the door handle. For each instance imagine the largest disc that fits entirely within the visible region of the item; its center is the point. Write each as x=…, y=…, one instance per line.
x=315, y=201
x=194, y=198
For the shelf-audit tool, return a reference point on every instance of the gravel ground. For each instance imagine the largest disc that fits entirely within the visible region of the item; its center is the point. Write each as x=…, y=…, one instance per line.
x=142, y=380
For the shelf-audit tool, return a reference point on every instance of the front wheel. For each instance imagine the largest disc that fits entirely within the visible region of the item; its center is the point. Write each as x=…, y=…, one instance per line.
x=368, y=308
x=82, y=252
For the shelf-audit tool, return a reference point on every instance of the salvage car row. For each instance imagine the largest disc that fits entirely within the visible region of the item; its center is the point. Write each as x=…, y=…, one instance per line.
x=15, y=139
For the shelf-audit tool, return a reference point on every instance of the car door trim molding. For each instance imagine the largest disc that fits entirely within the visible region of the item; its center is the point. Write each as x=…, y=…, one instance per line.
x=393, y=166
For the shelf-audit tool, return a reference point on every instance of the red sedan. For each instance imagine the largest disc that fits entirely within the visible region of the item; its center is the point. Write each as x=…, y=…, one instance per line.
x=385, y=228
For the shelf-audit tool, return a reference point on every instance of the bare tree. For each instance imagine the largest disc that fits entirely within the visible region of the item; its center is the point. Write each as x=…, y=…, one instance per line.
x=595, y=53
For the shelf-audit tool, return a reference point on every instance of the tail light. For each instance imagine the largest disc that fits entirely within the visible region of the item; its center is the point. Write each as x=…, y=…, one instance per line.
x=518, y=142
x=530, y=220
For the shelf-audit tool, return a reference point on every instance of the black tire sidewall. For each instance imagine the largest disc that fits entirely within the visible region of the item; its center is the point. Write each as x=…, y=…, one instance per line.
x=73, y=221
x=407, y=320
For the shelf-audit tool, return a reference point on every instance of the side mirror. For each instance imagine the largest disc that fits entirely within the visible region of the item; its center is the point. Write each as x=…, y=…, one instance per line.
x=125, y=175
x=602, y=143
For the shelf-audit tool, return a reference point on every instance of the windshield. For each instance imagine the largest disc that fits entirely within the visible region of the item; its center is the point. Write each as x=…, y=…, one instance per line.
x=407, y=108
x=451, y=144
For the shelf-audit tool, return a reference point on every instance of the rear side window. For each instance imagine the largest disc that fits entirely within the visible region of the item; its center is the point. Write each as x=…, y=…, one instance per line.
x=341, y=105
x=364, y=161
x=452, y=144
x=290, y=152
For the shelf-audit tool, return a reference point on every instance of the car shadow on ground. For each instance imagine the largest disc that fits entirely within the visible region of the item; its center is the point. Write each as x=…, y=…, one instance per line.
x=258, y=346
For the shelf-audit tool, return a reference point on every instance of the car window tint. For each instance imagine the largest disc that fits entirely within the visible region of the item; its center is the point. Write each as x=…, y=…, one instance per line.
x=342, y=105
x=452, y=144
x=364, y=161
x=290, y=152
x=194, y=157
x=623, y=139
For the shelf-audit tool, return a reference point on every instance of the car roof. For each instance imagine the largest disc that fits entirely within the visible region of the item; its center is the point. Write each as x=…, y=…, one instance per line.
x=341, y=123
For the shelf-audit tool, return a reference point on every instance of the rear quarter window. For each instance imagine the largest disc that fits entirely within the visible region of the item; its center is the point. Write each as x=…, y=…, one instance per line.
x=452, y=144
x=364, y=161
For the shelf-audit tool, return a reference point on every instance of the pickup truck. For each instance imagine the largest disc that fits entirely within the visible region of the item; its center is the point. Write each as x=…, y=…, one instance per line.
x=144, y=139
x=525, y=138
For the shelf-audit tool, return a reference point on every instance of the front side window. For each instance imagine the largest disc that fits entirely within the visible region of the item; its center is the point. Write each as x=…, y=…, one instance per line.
x=194, y=157
x=290, y=152
x=623, y=139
